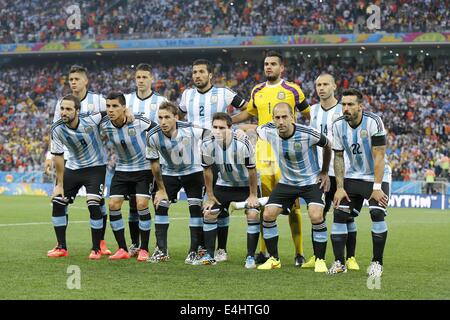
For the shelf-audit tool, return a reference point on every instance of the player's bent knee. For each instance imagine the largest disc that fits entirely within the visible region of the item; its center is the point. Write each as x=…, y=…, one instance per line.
x=94, y=208
x=340, y=216
x=59, y=205
x=252, y=214
x=142, y=203
x=271, y=212
x=115, y=203
x=377, y=214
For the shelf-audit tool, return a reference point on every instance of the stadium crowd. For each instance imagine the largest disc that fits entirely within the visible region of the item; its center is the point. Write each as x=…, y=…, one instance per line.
x=412, y=99
x=45, y=20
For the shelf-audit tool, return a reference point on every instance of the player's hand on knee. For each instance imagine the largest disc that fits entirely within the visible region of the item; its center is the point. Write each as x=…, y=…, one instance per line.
x=159, y=196
x=58, y=191
x=380, y=197
x=252, y=202
x=338, y=196
x=209, y=204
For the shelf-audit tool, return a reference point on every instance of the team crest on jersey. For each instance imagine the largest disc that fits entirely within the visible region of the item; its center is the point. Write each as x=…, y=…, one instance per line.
x=335, y=116
x=364, y=134
x=88, y=130
x=185, y=141
x=281, y=95
x=131, y=132
x=214, y=99
x=298, y=146
x=152, y=105
x=90, y=107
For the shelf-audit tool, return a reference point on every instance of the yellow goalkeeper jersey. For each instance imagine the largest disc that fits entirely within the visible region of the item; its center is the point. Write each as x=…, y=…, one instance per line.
x=263, y=98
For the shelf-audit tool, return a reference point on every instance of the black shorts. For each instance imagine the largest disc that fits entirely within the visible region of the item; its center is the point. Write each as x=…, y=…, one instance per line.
x=125, y=183
x=284, y=196
x=329, y=196
x=193, y=185
x=92, y=178
x=357, y=191
x=225, y=195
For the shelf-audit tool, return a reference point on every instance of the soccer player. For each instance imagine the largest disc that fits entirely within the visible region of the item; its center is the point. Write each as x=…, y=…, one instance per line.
x=360, y=138
x=295, y=148
x=235, y=159
x=322, y=116
x=177, y=142
x=90, y=103
x=86, y=166
x=146, y=102
x=199, y=104
x=264, y=97
x=132, y=171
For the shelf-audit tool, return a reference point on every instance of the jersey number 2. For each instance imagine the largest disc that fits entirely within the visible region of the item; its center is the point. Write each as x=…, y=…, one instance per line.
x=202, y=111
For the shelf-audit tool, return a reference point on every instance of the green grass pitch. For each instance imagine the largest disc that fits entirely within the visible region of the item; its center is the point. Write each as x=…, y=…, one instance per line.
x=417, y=260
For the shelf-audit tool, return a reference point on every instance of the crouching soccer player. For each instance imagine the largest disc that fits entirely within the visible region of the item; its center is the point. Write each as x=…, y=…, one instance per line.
x=359, y=136
x=237, y=181
x=177, y=142
x=295, y=147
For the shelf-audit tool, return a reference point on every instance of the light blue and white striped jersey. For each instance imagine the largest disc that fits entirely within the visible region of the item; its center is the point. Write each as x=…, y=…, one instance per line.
x=233, y=162
x=129, y=142
x=84, y=144
x=200, y=107
x=148, y=106
x=181, y=152
x=357, y=146
x=296, y=155
x=322, y=120
x=91, y=103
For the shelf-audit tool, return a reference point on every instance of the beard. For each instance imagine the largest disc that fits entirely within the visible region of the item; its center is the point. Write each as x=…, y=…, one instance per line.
x=202, y=85
x=271, y=78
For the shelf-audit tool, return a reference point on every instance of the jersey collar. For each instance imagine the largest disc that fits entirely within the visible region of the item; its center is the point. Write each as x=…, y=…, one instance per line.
x=274, y=85
x=142, y=99
x=206, y=90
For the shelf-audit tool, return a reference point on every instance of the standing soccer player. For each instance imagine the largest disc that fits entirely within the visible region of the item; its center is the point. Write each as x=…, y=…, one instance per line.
x=178, y=144
x=295, y=147
x=322, y=116
x=86, y=166
x=264, y=97
x=90, y=103
x=360, y=138
x=235, y=159
x=146, y=102
x=199, y=104
x=132, y=171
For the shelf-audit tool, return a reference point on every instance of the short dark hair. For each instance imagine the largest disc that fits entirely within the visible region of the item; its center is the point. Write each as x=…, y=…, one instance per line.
x=353, y=92
x=273, y=53
x=205, y=62
x=169, y=106
x=74, y=99
x=144, y=67
x=113, y=95
x=223, y=116
x=78, y=68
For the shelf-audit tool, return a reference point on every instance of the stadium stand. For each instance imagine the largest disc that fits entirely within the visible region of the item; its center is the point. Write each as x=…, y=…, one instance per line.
x=45, y=20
